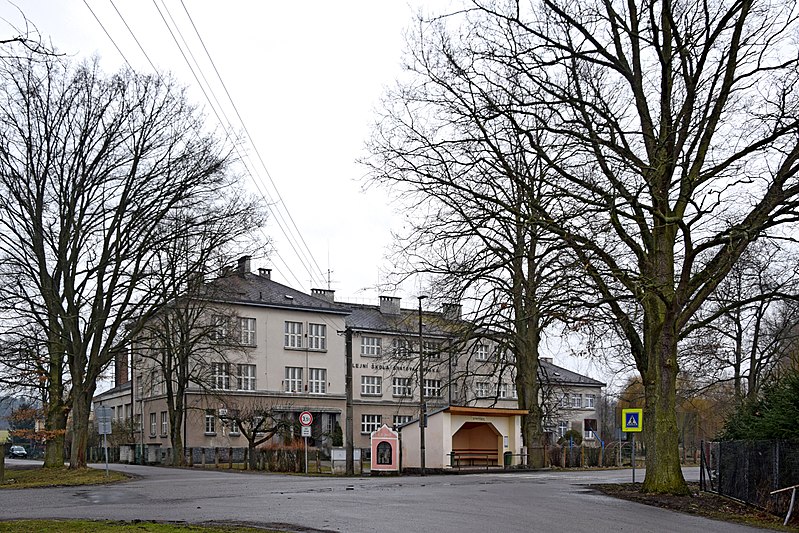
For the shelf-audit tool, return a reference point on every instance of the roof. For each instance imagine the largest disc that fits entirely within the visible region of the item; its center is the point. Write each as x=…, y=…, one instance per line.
x=371, y=318
x=119, y=390
x=254, y=289
x=565, y=376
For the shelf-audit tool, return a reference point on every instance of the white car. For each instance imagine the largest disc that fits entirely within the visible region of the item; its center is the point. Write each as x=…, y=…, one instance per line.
x=18, y=451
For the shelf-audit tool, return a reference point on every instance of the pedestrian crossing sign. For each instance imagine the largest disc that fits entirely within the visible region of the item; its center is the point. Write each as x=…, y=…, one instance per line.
x=632, y=420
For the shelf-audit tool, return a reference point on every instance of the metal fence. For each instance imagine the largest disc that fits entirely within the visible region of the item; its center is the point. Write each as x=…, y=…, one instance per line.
x=750, y=470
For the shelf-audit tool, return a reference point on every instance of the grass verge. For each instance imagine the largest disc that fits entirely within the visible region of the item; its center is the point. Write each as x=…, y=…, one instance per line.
x=700, y=503
x=25, y=478
x=92, y=526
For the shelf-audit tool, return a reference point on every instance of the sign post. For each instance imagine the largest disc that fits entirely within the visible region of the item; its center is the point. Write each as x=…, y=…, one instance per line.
x=632, y=421
x=103, y=416
x=306, y=419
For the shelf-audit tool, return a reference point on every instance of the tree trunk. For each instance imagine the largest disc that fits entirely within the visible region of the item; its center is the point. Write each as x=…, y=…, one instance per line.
x=80, y=427
x=55, y=423
x=663, y=472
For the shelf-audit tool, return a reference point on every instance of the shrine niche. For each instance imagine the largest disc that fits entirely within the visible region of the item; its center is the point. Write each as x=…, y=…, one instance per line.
x=385, y=450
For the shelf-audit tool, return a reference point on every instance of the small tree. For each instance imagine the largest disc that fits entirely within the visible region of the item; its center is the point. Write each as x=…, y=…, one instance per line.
x=258, y=420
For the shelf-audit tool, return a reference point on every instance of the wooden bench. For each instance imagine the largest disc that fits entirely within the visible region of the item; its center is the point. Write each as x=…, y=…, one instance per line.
x=474, y=457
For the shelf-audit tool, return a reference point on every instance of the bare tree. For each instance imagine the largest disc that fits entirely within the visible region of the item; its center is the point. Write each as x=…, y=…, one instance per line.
x=741, y=332
x=91, y=166
x=186, y=335
x=258, y=420
x=471, y=190
x=670, y=146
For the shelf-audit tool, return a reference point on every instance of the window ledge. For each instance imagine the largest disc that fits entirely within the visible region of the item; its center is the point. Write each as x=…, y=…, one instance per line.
x=211, y=434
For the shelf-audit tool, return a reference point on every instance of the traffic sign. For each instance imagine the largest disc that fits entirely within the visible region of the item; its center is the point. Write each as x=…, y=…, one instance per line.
x=306, y=418
x=632, y=420
x=306, y=431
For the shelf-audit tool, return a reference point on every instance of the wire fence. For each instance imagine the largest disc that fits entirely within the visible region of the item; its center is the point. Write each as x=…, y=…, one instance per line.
x=750, y=470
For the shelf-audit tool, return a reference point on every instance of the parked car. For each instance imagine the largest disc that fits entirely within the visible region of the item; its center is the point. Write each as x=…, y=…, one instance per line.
x=18, y=451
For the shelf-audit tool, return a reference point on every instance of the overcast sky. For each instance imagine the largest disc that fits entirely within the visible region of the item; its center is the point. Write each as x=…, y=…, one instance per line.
x=304, y=77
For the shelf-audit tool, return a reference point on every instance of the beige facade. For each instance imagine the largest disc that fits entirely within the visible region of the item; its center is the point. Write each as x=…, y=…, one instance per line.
x=287, y=352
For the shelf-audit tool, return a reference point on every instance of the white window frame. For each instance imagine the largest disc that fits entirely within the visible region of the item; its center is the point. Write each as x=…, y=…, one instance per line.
x=293, y=379
x=563, y=427
x=317, y=337
x=317, y=380
x=432, y=349
x=247, y=331
x=218, y=328
x=164, y=423
x=153, y=424
x=245, y=377
x=371, y=346
x=589, y=401
x=481, y=389
x=401, y=387
x=370, y=423
x=220, y=376
x=432, y=388
x=210, y=422
x=292, y=334
x=401, y=419
x=481, y=352
x=577, y=401
x=371, y=386
x=400, y=347
x=502, y=390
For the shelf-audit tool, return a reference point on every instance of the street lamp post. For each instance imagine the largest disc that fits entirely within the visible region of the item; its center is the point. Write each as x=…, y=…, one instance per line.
x=422, y=406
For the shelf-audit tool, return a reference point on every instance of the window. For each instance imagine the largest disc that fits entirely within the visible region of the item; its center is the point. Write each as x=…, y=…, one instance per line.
x=480, y=389
x=371, y=386
x=293, y=381
x=153, y=424
x=563, y=427
x=218, y=330
x=432, y=388
x=164, y=424
x=210, y=422
x=247, y=331
x=401, y=419
x=370, y=346
x=317, y=380
x=317, y=337
x=589, y=428
x=292, y=337
x=432, y=349
x=481, y=352
x=370, y=423
x=401, y=387
x=220, y=376
x=564, y=400
x=245, y=380
x=400, y=347
x=234, y=428
x=577, y=401
x=589, y=401
x=502, y=390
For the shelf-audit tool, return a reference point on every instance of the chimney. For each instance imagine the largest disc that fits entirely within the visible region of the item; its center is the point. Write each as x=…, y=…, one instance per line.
x=327, y=295
x=121, y=368
x=265, y=273
x=389, y=305
x=244, y=264
x=451, y=311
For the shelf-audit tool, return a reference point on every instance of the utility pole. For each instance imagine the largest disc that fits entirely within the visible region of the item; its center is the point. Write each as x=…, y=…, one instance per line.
x=350, y=470
x=422, y=405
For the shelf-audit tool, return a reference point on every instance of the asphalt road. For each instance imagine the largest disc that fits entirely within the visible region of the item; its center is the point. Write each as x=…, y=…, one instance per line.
x=530, y=502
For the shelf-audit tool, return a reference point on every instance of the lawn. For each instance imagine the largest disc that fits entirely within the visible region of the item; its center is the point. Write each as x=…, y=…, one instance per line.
x=25, y=478
x=91, y=526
